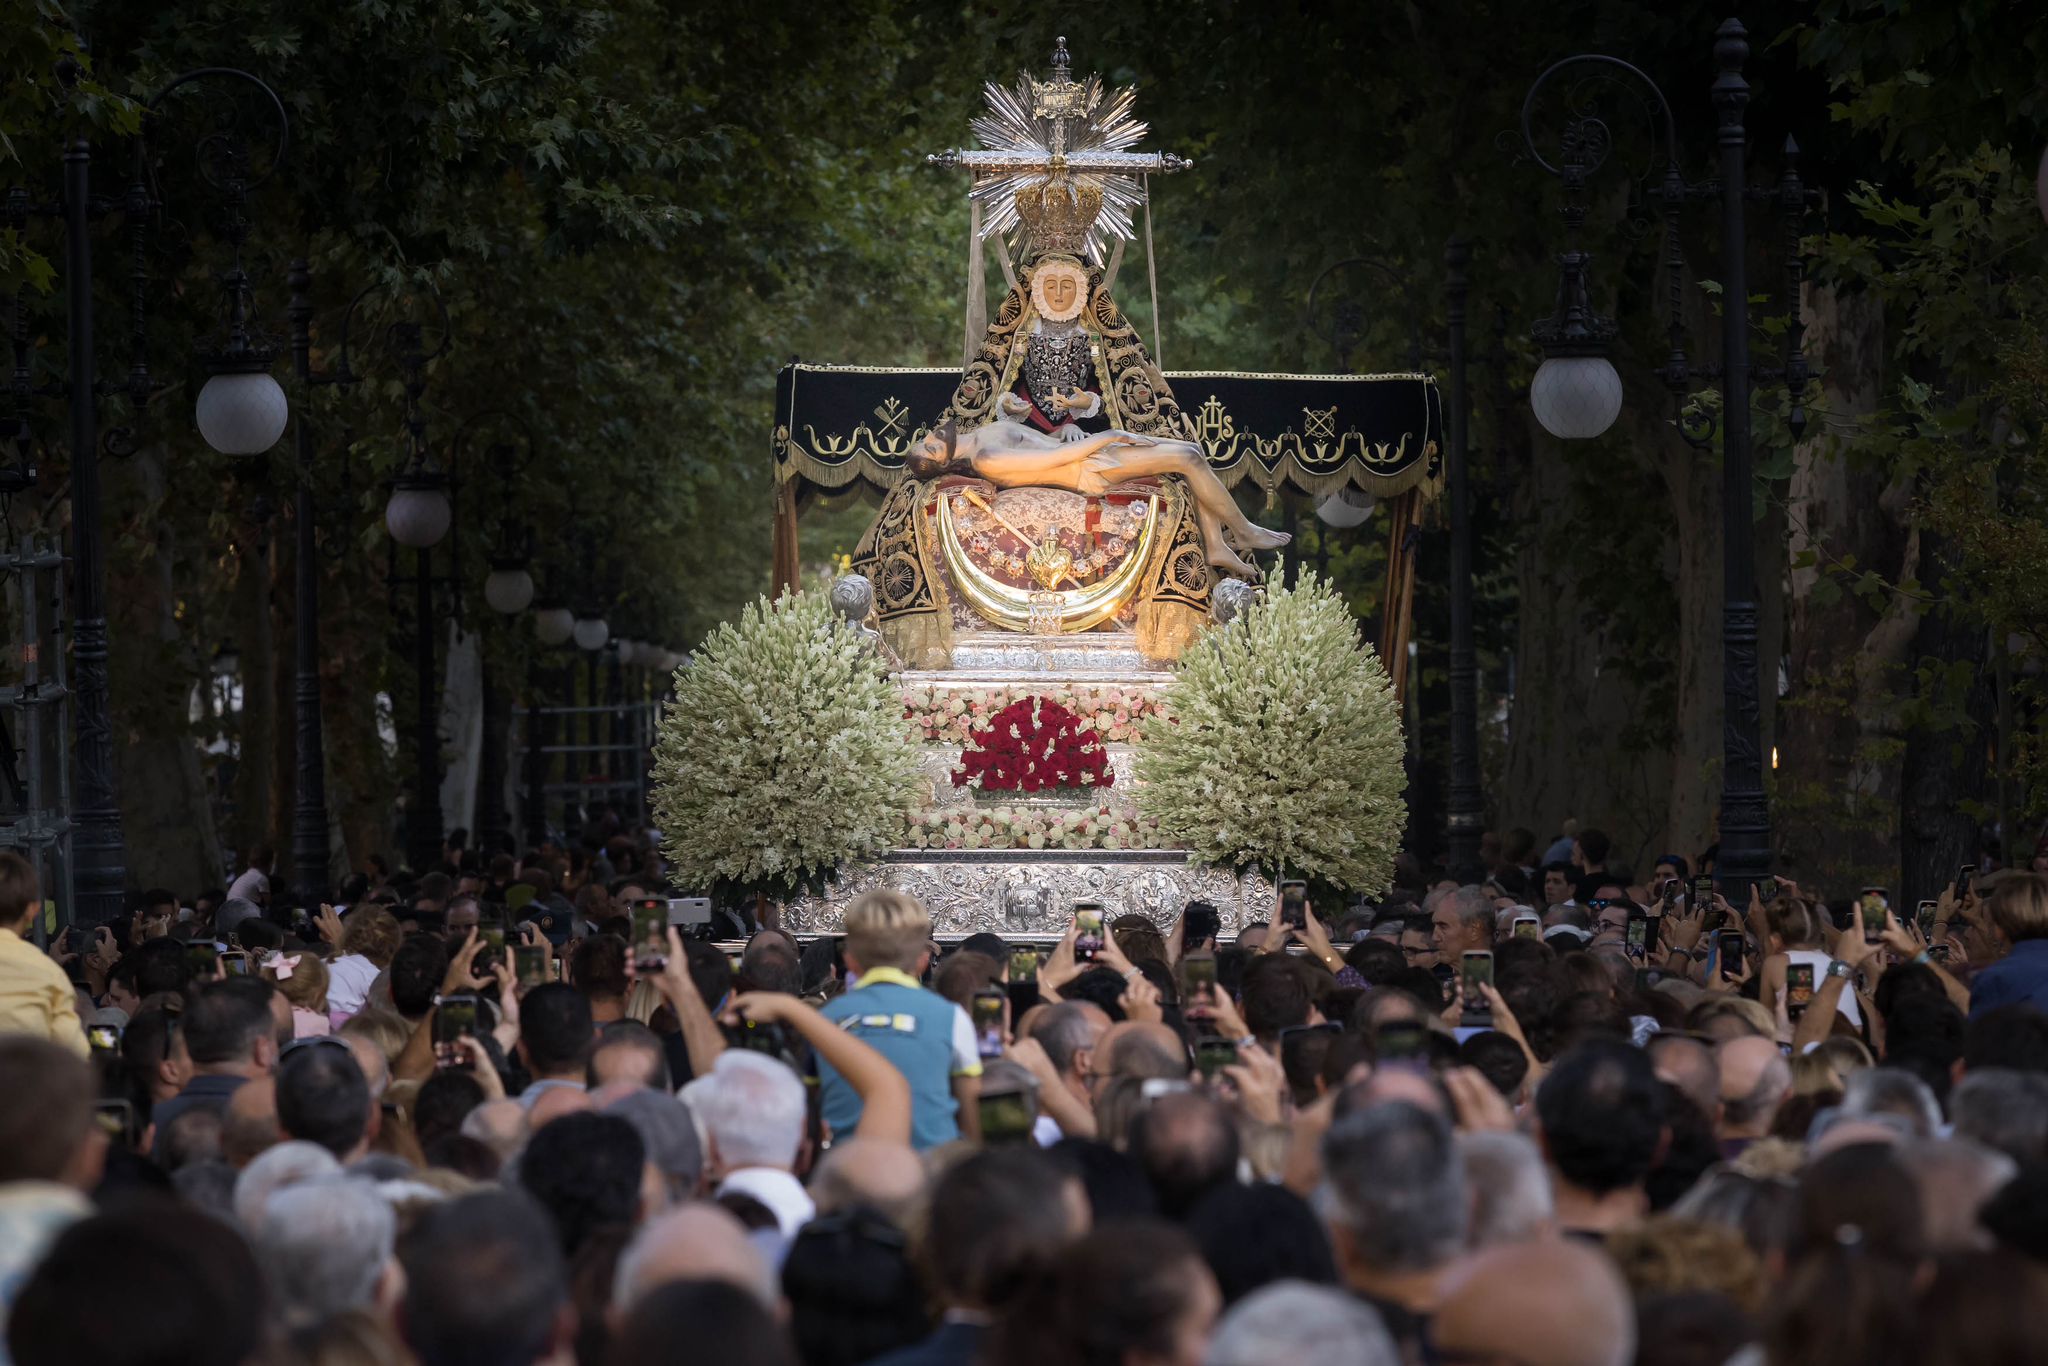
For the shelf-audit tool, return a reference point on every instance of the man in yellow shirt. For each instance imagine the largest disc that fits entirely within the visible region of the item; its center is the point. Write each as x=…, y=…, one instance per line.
x=35, y=995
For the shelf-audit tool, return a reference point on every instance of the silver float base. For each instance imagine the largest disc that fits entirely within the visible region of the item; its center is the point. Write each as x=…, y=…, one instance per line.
x=1032, y=891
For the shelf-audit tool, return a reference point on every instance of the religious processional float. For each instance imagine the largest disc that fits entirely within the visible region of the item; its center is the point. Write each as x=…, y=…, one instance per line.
x=1056, y=672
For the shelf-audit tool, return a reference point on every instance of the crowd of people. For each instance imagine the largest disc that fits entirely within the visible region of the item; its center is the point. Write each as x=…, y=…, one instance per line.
x=1563, y=1116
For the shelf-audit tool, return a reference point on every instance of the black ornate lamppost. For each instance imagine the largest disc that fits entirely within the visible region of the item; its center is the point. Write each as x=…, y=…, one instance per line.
x=554, y=625
x=241, y=411
x=1576, y=393
x=1465, y=805
x=419, y=515
x=591, y=633
x=508, y=590
x=311, y=844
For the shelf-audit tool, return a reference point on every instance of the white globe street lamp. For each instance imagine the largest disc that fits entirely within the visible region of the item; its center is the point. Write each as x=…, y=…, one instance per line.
x=591, y=633
x=1576, y=398
x=509, y=587
x=1576, y=394
x=242, y=412
x=553, y=624
x=419, y=513
x=1347, y=507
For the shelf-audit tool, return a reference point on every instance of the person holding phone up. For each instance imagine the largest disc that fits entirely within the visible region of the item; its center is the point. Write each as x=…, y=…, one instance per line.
x=1795, y=937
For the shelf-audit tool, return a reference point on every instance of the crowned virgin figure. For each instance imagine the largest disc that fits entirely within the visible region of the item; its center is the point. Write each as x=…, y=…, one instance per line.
x=1059, y=394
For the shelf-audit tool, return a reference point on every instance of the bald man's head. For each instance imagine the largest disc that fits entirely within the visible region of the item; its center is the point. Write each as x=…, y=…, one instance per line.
x=692, y=1243
x=1689, y=1065
x=881, y=1174
x=1546, y=1303
x=1133, y=1048
x=1755, y=1079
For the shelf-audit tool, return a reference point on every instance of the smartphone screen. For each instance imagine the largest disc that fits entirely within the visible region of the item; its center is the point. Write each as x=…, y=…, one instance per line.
x=1923, y=916
x=1007, y=1118
x=650, y=936
x=454, y=1020
x=1023, y=965
x=1213, y=1054
x=1294, y=904
x=1798, y=988
x=1476, y=970
x=530, y=962
x=103, y=1038
x=1964, y=876
x=1528, y=927
x=201, y=958
x=1873, y=909
x=1197, y=981
x=237, y=964
x=117, y=1119
x=1087, y=930
x=1702, y=891
x=1638, y=935
x=1731, y=948
x=987, y=1015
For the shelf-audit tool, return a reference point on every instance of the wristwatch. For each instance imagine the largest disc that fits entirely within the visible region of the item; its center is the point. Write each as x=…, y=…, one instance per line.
x=1840, y=969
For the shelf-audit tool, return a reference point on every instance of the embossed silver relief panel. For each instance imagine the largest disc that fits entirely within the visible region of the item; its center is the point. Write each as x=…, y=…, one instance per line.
x=1031, y=892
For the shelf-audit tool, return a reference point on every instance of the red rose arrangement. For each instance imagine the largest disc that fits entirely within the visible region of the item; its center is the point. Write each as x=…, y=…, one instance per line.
x=1031, y=745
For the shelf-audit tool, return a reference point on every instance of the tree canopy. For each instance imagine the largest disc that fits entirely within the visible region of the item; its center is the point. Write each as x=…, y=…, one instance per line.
x=634, y=212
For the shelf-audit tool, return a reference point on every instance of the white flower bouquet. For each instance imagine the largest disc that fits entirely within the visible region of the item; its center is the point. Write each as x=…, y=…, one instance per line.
x=1283, y=746
x=783, y=754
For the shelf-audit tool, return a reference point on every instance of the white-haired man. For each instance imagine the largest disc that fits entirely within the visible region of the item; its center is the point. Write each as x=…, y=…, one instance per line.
x=752, y=1110
x=328, y=1246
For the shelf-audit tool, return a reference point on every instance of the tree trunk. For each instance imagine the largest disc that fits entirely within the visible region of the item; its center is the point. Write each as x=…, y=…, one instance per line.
x=1836, y=797
x=1571, y=719
x=256, y=728
x=166, y=813
x=1944, y=776
x=1693, y=800
x=280, y=605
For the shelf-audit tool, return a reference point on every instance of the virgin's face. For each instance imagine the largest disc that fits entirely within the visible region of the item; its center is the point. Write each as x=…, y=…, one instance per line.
x=1058, y=289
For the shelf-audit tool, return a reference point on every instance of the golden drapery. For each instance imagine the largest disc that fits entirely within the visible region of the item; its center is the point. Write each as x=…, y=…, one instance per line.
x=1397, y=595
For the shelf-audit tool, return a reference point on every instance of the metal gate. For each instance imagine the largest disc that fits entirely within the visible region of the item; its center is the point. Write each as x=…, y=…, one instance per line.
x=35, y=726
x=578, y=764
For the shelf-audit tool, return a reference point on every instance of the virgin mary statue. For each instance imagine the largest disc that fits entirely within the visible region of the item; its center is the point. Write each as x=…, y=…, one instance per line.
x=1059, y=394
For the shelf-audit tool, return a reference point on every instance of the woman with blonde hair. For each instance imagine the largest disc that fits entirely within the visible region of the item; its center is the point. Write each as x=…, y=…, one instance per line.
x=301, y=978
x=1796, y=936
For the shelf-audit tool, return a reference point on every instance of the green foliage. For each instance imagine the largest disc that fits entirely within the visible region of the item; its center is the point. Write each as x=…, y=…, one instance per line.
x=47, y=86
x=783, y=754
x=1282, y=747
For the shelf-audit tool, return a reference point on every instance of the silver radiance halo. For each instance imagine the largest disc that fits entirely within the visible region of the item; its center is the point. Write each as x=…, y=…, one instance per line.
x=1073, y=138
